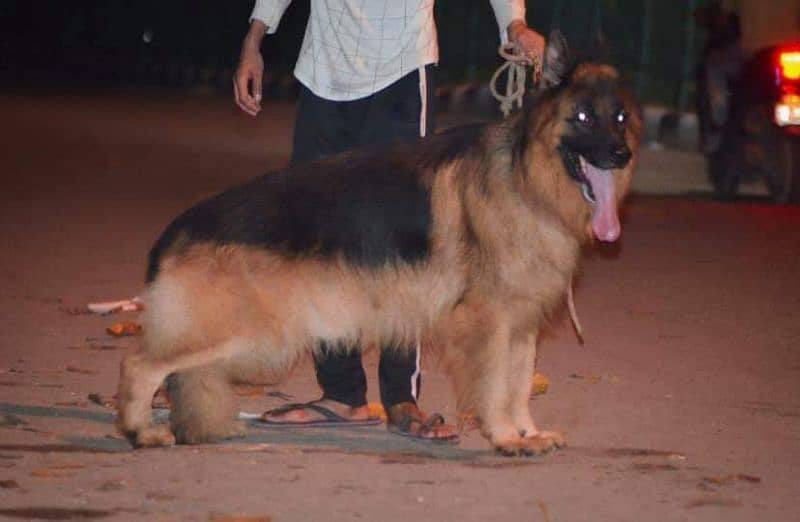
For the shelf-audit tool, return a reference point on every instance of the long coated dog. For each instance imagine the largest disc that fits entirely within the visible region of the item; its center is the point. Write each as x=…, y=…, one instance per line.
x=466, y=241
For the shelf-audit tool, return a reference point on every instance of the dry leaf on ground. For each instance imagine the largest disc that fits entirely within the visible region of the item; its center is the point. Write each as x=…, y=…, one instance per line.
x=102, y=401
x=540, y=384
x=124, y=329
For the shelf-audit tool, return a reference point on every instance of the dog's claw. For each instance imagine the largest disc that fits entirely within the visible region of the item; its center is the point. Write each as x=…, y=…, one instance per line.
x=542, y=443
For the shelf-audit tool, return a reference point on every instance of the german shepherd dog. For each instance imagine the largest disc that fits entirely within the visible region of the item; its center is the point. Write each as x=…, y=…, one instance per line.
x=466, y=241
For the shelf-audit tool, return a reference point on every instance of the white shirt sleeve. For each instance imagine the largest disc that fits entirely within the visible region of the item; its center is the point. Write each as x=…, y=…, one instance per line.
x=506, y=11
x=270, y=12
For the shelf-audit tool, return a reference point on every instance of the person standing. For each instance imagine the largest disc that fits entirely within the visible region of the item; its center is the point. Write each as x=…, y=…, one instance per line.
x=366, y=71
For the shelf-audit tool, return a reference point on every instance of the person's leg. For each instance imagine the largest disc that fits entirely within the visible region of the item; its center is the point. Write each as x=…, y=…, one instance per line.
x=399, y=376
x=398, y=113
x=324, y=128
x=395, y=114
x=341, y=376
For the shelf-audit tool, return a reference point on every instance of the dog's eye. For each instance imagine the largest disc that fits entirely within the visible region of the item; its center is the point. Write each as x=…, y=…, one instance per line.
x=622, y=117
x=583, y=117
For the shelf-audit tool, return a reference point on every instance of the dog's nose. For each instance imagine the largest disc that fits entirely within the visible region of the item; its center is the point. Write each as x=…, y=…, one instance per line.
x=621, y=155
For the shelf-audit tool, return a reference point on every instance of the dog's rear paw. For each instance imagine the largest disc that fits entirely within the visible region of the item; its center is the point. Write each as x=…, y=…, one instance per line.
x=154, y=437
x=204, y=433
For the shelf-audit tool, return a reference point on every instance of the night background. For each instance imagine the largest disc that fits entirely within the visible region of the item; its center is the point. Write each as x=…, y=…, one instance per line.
x=183, y=43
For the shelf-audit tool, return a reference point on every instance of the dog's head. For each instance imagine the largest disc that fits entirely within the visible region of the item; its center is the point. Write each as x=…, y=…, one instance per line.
x=589, y=125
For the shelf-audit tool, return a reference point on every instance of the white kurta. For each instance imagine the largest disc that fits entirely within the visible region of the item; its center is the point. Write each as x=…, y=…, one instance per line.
x=355, y=48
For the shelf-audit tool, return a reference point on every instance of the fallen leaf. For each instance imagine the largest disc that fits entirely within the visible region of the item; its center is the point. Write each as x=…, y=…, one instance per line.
x=402, y=458
x=96, y=347
x=124, y=329
x=595, y=378
x=82, y=371
x=75, y=404
x=216, y=517
x=5, y=456
x=590, y=378
x=112, y=485
x=713, y=501
x=57, y=471
x=730, y=479
x=251, y=448
x=157, y=495
x=74, y=310
x=540, y=384
x=545, y=512
x=104, y=402
x=10, y=421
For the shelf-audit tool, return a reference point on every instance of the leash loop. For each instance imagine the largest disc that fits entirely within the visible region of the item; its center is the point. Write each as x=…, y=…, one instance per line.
x=515, y=66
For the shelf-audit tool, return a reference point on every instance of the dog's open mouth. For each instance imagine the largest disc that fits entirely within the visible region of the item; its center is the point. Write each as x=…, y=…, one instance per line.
x=598, y=189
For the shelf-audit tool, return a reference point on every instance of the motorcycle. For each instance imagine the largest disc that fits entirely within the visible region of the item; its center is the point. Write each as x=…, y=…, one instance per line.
x=760, y=137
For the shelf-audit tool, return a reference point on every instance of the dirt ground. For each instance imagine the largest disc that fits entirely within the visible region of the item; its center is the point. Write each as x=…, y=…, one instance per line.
x=683, y=404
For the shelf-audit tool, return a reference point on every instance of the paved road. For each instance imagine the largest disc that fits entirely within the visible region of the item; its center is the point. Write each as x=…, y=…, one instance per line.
x=684, y=404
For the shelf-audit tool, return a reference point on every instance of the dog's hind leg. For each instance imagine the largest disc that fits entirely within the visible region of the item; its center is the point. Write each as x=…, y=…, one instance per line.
x=522, y=366
x=140, y=378
x=138, y=381
x=203, y=406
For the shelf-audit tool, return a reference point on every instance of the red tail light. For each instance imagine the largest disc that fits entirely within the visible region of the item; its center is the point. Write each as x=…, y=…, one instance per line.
x=789, y=64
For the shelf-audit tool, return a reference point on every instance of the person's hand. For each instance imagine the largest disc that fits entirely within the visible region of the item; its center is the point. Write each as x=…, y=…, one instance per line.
x=530, y=42
x=250, y=73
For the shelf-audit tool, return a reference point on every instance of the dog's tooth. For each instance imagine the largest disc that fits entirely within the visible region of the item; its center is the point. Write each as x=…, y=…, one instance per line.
x=586, y=194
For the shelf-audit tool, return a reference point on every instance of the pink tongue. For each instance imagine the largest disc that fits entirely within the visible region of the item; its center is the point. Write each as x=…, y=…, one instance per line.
x=605, y=222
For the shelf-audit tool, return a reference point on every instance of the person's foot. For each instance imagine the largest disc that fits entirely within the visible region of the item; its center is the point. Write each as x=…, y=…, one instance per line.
x=408, y=420
x=317, y=413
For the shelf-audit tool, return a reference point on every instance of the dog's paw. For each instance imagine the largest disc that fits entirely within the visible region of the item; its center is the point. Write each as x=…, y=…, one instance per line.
x=188, y=432
x=543, y=442
x=237, y=430
x=539, y=444
x=155, y=437
x=510, y=449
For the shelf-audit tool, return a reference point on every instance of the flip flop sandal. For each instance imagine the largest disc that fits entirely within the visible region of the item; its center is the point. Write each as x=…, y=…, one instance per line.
x=331, y=418
x=403, y=428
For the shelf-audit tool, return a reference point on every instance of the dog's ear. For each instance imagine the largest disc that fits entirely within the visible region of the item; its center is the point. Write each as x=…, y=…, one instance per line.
x=556, y=60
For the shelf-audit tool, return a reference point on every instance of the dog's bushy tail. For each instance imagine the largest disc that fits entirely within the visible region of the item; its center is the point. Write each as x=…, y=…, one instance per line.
x=204, y=407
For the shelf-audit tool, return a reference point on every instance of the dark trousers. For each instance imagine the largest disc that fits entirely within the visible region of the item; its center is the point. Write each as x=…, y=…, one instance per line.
x=324, y=127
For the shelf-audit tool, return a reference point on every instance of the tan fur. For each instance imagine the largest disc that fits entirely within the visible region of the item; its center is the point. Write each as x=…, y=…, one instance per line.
x=505, y=245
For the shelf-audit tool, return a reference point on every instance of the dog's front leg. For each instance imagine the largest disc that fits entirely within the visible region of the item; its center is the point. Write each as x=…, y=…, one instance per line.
x=494, y=390
x=522, y=367
x=522, y=364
